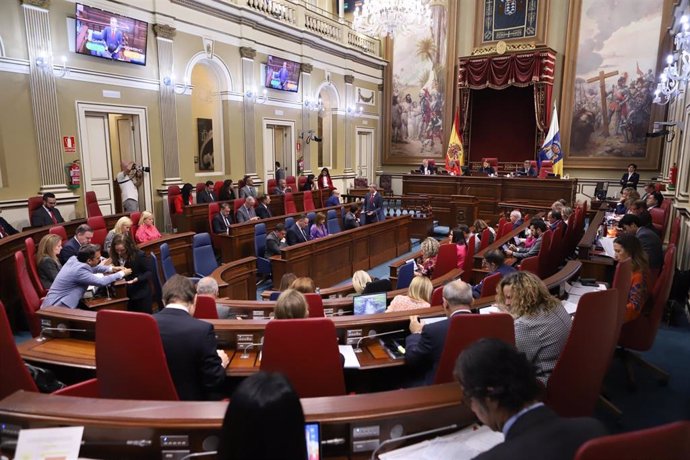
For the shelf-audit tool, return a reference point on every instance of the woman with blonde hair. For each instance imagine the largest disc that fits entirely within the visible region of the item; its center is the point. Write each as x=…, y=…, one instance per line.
x=147, y=231
x=304, y=284
x=360, y=279
x=291, y=304
x=541, y=323
x=122, y=227
x=47, y=261
x=429, y=252
x=418, y=296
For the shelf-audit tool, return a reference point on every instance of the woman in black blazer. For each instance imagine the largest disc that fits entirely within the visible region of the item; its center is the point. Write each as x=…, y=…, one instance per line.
x=47, y=262
x=125, y=253
x=630, y=178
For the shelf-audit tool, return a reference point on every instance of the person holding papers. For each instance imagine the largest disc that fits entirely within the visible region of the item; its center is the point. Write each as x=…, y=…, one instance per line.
x=628, y=246
x=537, y=228
x=499, y=385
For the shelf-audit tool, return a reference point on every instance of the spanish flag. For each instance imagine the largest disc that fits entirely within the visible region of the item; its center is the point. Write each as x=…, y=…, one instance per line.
x=455, y=153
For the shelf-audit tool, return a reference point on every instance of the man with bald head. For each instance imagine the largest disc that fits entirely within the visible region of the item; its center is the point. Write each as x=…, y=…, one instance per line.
x=129, y=179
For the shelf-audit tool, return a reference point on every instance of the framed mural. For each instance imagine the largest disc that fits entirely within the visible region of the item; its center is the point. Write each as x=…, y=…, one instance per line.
x=418, y=89
x=510, y=20
x=608, y=84
x=204, y=127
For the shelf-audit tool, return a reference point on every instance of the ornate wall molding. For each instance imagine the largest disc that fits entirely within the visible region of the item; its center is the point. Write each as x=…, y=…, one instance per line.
x=247, y=53
x=164, y=31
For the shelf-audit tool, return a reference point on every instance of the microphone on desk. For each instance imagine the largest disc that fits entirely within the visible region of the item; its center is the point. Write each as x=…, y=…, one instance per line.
x=247, y=347
x=210, y=446
x=372, y=333
x=60, y=328
x=412, y=436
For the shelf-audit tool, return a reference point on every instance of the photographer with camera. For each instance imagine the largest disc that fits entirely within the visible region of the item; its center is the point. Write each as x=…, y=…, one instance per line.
x=129, y=180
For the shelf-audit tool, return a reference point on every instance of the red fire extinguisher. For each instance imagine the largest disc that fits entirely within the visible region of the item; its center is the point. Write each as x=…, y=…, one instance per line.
x=73, y=174
x=673, y=174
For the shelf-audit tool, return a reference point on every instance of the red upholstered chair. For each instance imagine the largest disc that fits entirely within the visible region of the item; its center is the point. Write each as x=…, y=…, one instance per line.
x=490, y=284
x=99, y=229
x=493, y=162
x=501, y=221
x=135, y=217
x=639, y=334
x=622, y=278
x=213, y=210
x=533, y=164
x=658, y=217
x=301, y=180
x=120, y=336
x=530, y=264
x=30, y=246
x=59, y=230
x=484, y=239
x=446, y=260
x=575, y=384
x=464, y=330
x=200, y=186
x=173, y=191
x=670, y=442
x=437, y=296
x=555, y=250
x=205, y=307
x=27, y=293
x=546, y=169
x=308, y=201
x=544, y=261
x=469, y=261
x=291, y=182
x=270, y=185
x=13, y=373
x=34, y=203
x=217, y=187
x=315, y=304
x=319, y=375
x=506, y=228
x=289, y=203
x=92, y=208
x=675, y=231
x=501, y=227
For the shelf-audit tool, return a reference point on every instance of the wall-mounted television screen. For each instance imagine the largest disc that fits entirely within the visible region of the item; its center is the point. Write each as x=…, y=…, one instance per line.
x=110, y=36
x=282, y=74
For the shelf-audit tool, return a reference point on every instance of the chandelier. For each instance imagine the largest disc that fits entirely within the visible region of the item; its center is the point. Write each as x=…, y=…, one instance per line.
x=677, y=70
x=389, y=17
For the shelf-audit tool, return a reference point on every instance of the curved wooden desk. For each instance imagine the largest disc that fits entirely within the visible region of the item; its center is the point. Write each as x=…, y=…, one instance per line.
x=109, y=424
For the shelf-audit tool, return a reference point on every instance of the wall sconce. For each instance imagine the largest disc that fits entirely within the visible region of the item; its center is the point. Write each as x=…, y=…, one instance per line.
x=353, y=112
x=252, y=95
x=177, y=89
x=45, y=63
x=317, y=106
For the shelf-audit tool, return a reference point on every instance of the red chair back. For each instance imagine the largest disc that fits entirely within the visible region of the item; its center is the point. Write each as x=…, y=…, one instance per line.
x=100, y=231
x=530, y=264
x=291, y=182
x=622, y=278
x=469, y=261
x=484, y=239
x=555, y=250
x=464, y=330
x=446, y=260
x=544, y=261
x=315, y=304
x=308, y=201
x=301, y=180
x=33, y=269
x=658, y=217
x=30, y=300
x=437, y=296
x=173, y=191
x=320, y=372
x=546, y=168
x=134, y=217
x=59, y=230
x=501, y=221
x=271, y=184
x=289, y=203
x=492, y=161
x=575, y=384
x=675, y=231
x=34, y=203
x=639, y=334
x=506, y=228
x=200, y=186
x=13, y=373
x=490, y=284
x=213, y=209
x=205, y=307
x=120, y=337
x=92, y=208
x=670, y=442
x=217, y=187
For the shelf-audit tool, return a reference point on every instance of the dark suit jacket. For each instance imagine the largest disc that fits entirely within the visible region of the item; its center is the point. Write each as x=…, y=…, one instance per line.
x=531, y=172
x=219, y=224
x=294, y=236
x=41, y=218
x=489, y=170
x=432, y=169
x=10, y=230
x=48, y=270
x=273, y=245
x=630, y=181
x=142, y=270
x=69, y=249
x=350, y=221
x=540, y=433
x=205, y=197
x=190, y=350
x=651, y=243
x=263, y=212
x=376, y=207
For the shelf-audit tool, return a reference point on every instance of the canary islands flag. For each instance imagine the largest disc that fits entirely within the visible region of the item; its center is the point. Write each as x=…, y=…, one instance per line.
x=551, y=149
x=455, y=152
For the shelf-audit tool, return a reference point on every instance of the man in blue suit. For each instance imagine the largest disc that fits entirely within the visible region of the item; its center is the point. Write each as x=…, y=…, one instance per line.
x=423, y=347
x=495, y=262
x=334, y=199
x=78, y=274
x=373, y=207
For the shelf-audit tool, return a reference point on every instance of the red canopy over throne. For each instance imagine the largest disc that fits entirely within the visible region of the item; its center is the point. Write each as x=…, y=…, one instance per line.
x=511, y=123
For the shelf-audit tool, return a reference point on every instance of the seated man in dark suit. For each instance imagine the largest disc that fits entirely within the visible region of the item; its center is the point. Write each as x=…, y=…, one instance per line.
x=516, y=218
x=47, y=214
x=274, y=241
x=426, y=168
x=262, y=210
x=223, y=220
x=298, y=233
x=423, y=347
x=82, y=236
x=206, y=195
x=494, y=261
x=246, y=211
x=527, y=170
x=501, y=388
x=196, y=366
x=5, y=228
x=650, y=241
x=537, y=227
x=350, y=220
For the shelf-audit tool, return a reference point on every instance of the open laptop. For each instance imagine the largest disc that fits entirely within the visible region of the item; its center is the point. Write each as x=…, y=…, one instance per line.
x=369, y=304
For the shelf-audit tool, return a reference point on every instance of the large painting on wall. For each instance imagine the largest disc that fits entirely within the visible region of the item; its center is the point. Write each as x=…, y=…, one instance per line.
x=418, y=91
x=609, y=86
x=510, y=20
x=206, y=160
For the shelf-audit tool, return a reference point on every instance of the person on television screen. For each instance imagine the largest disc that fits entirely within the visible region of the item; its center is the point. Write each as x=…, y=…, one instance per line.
x=283, y=75
x=113, y=38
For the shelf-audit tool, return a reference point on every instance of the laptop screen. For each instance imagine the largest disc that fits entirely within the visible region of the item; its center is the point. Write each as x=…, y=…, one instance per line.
x=313, y=436
x=370, y=303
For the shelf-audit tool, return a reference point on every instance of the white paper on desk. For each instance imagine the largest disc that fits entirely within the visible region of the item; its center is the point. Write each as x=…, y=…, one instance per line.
x=490, y=309
x=577, y=289
x=52, y=443
x=461, y=445
x=570, y=305
x=434, y=319
x=351, y=361
x=607, y=245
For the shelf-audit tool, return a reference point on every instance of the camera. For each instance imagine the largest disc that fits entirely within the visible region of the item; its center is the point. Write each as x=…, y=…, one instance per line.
x=139, y=168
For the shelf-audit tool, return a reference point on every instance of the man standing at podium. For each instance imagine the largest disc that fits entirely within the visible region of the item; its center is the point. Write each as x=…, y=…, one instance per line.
x=373, y=206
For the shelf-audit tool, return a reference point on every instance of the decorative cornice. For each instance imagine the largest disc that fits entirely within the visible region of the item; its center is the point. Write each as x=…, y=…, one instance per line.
x=349, y=79
x=503, y=48
x=381, y=87
x=247, y=52
x=307, y=68
x=164, y=31
x=45, y=4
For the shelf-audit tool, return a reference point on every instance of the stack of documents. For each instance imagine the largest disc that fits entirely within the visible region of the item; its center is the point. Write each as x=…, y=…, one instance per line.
x=576, y=290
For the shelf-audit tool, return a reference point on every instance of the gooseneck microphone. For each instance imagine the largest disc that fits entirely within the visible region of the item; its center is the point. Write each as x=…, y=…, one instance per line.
x=372, y=334
x=60, y=328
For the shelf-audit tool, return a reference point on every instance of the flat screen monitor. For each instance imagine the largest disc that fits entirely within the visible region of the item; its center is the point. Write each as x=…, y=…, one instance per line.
x=370, y=304
x=312, y=433
x=110, y=36
x=282, y=74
